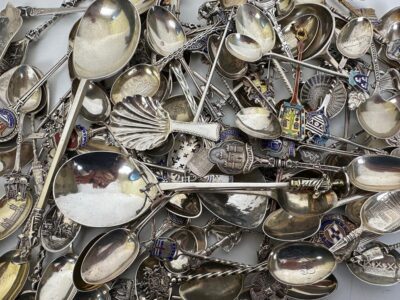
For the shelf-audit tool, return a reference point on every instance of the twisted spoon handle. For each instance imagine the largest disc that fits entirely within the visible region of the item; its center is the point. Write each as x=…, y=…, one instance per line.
x=257, y=268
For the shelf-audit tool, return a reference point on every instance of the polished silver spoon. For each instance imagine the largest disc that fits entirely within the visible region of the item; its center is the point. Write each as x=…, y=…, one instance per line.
x=251, y=21
x=379, y=214
x=287, y=226
x=116, y=16
x=96, y=106
x=354, y=39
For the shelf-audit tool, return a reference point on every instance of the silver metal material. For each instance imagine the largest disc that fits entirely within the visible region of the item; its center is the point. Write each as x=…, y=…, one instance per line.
x=380, y=214
x=137, y=115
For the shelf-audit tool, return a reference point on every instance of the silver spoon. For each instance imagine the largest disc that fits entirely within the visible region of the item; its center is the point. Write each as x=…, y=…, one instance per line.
x=379, y=214
x=288, y=226
x=96, y=106
x=114, y=14
x=354, y=39
x=22, y=80
x=252, y=22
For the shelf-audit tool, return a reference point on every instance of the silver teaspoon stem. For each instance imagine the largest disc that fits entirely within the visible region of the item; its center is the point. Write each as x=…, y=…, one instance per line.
x=213, y=67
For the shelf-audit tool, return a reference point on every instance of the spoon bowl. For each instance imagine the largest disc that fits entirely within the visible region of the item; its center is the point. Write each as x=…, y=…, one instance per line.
x=164, y=31
x=243, y=47
x=309, y=23
x=13, y=273
x=251, y=21
x=300, y=263
x=317, y=290
x=120, y=246
x=379, y=117
x=230, y=66
x=60, y=271
x=282, y=226
x=375, y=173
x=96, y=106
x=258, y=122
x=355, y=38
x=89, y=186
x=141, y=80
x=121, y=22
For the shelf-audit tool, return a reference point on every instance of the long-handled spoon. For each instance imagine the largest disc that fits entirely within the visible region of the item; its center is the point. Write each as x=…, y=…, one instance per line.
x=17, y=193
x=16, y=52
x=90, y=37
x=380, y=214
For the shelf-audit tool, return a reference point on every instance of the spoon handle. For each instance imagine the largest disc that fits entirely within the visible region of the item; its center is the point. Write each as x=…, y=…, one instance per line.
x=29, y=11
x=343, y=242
x=209, y=131
x=257, y=268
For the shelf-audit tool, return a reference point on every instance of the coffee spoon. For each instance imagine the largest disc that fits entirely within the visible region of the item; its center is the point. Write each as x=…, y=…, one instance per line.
x=354, y=39
x=16, y=186
x=292, y=224
x=379, y=214
x=381, y=270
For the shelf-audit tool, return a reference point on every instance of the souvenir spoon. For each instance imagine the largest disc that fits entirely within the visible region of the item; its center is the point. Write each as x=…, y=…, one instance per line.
x=141, y=123
x=123, y=247
x=363, y=171
x=247, y=49
x=379, y=214
x=90, y=37
x=354, y=39
x=29, y=11
x=381, y=270
x=16, y=52
x=313, y=263
x=10, y=26
x=16, y=187
x=225, y=288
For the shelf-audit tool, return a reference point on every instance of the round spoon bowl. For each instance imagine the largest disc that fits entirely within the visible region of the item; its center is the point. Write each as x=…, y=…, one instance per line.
x=121, y=22
x=375, y=173
x=14, y=273
x=110, y=256
x=88, y=186
x=141, y=80
x=378, y=117
x=251, y=21
x=22, y=80
x=355, y=38
x=300, y=263
x=228, y=65
x=164, y=31
x=51, y=241
x=258, y=122
x=96, y=106
x=60, y=271
x=282, y=226
x=243, y=47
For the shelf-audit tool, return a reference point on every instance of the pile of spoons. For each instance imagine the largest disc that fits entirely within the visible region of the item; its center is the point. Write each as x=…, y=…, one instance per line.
x=176, y=142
